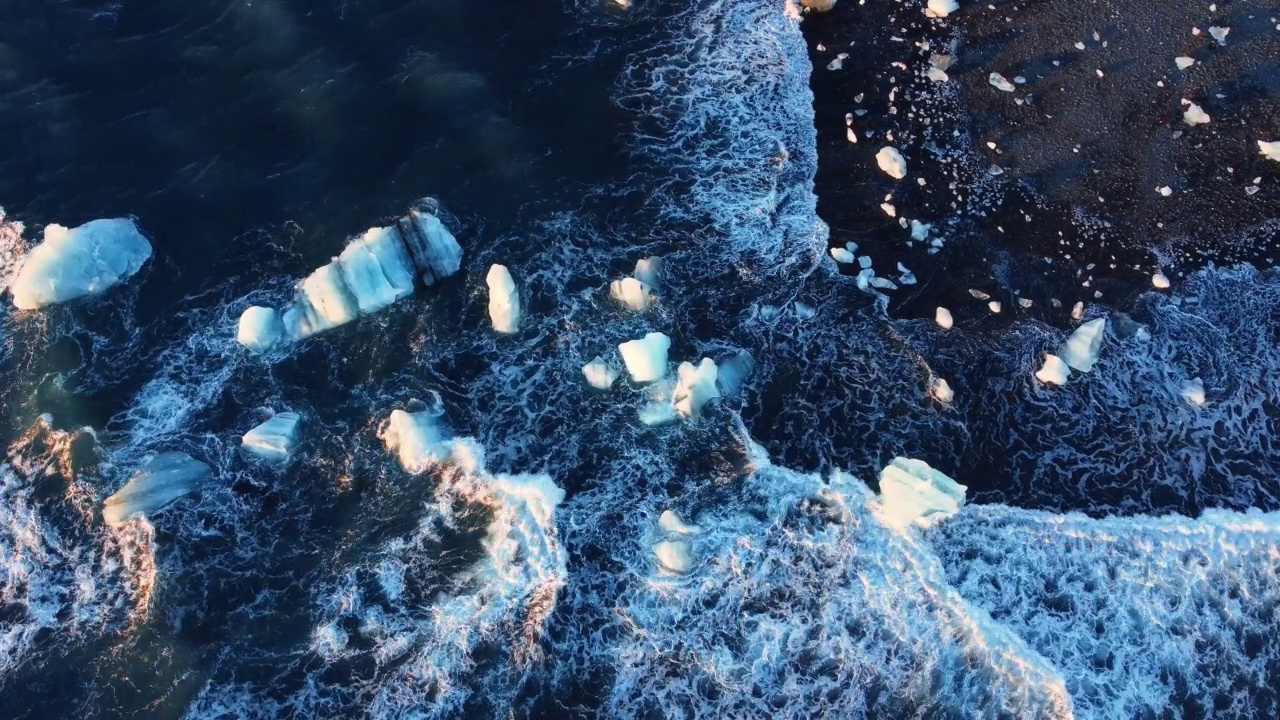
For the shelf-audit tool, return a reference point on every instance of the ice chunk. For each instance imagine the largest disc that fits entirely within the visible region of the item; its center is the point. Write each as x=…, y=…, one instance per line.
x=940, y=8
x=376, y=269
x=632, y=293
x=504, y=300
x=732, y=372
x=920, y=231
x=942, y=316
x=1054, y=371
x=1159, y=281
x=1081, y=349
x=842, y=255
x=1183, y=62
x=1219, y=33
x=695, y=387
x=274, y=439
x=999, y=82
x=322, y=301
x=646, y=358
x=84, y=260
x=417, y=439
x=674, y=556
x=599, y=375
x=1192, y=114
x=994, y=306
x=165, y=478
x=435, y=251
x=913, y=492
x=649, y=272
x=670, y=523
x=1193, y=391
x=260, y=329
x=892, y=162
x=1270, y=150
x=942, y=391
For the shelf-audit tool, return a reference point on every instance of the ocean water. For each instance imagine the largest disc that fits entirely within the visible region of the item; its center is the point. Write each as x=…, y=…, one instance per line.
x=1119, y=555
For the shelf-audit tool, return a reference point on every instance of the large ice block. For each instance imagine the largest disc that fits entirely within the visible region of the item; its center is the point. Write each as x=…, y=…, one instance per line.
x=260, y=329
x=434, y=250
x=913, y=492
x=646, y=358
x=377, y=269
x=84, y=260
x=165, y=478
x=417, y=439
x=274, y=439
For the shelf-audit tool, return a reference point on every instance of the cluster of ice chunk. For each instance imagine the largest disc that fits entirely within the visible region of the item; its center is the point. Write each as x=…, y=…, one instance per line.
x=165, y=478
x=1079, y=352
x=79, y=261
x=638, y=292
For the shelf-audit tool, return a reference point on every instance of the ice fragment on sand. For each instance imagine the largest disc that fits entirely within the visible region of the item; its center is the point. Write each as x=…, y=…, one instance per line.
x=892, y=162
x=999, y=82
x=942, y=316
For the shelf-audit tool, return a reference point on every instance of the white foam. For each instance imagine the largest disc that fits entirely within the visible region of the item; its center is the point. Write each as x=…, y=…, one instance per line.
x=79, y=261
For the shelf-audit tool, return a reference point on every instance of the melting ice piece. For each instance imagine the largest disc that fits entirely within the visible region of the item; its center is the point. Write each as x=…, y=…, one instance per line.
x=658, y=412
x=942, y=391
x=1193, y=391
x=943, y=317
x=1080, y=352
x=669, y=522
x=632, y=293
x=274, y=439
x=999, y=82
x=913, y=492
x=1270, y=150
x=649, y=272
x=435, y=252
x=84, y=260
x=1159, y=281
x=646, y=358
x=504, y=300
x=940, y=8
x=732, y=372
x=417, y=439
x=599, y=375
x=920, y=231
x=260, y=329
x=674, y=556
x=1219, y=33
x=892, y=162
x=1054, y=371
x=165, y=478
x=376, y=269
x=322, y=301
x=841, y=255
x=695, y=387
x=1183, y=62
x=1192, y=113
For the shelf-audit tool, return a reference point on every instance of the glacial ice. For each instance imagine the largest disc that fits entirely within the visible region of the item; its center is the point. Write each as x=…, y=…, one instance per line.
x=260, y=329
x=1193, y=114
x=599, y=375
x=913, y=492
x=1159, y=281
x=84, y=260
x=732, y=372
x=1054, y=371
x=434, y=250
x=274, y=439
x=942, y=317
x=695, y=387
x=941, y=8
x=504, y=300
x=1270, y=150
x=1193, y=391
x=165, y=478
x=646, y=358
x=649, y=272
x=674, y=556
x=1081, y=349
x=892, y=162
x=942, y=391
x=377, y=269
x=842, y=255
x=670, y=523
x=632, y=293
x=416, y=439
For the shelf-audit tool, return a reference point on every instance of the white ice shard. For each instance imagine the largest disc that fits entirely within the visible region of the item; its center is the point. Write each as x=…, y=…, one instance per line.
x=376, y=268
x=322, y=301
x=942, y=316
x=942, y=391
x=695, y=387
x=504, y=300
x=1080, y=352
x=892, y=162
x=674, y=556
x=841, y=255
x=940, y=8
x=732, y=372
x=1193, y=114
x=165, y=478
x=1270, y=150
x=632, y=293
x=1193, y=391
x=1183, y=62
x=84, y=260
x=1054, y=371
x=913, y=492
x=670, y=523
x=649, y=272
x=1219, y=34
x=260, y=329
x=599, y=375
x=1159, y=281
x=274, y=439
x=999, y=82
x=646, y=358
x=435, y=251
x=417, y=439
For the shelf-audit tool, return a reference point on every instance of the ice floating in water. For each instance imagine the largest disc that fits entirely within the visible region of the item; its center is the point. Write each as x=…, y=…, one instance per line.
x=322, y=302
x=913, y=492
x=377, y=269
x=1193, y=391
x=732, y=372
x=599, y=375
x=1159, y=281
x=1054, y=371
x=669, y=522
x=695, y=387
x=842, y=255
x=1270, y=150
x=942, y=316
x=942, y=391
x=941, y=8
x=649, y=272
x=84, y=260
x=674, y=556
x=646, y=358
x=165, y=478
x=435, y=252
x=632, y=293
x=1192, y=113
x=1081, y=349
x=417, y=439
x=892, y=162
x=260, y=329
x=274, y=439
x=504, y=300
